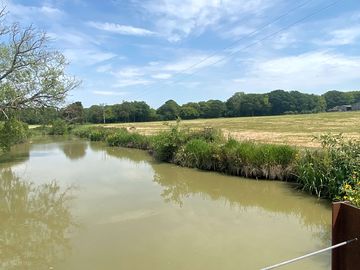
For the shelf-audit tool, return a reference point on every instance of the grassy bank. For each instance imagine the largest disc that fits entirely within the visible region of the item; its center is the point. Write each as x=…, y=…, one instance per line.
x=331, y=171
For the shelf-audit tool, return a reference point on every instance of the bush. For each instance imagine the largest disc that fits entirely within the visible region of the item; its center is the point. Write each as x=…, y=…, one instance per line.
x=59, y=127
x=326, y=172
x=198, y=153
x=132, y=140
x=12, y=132
x=167, y=143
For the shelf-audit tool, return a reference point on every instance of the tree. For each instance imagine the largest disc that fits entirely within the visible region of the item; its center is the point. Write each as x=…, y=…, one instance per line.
x=233, y=104
x=31, y=74
x=336, y=98
x=73, y=113
x=169, y=110
x=190, y=110
x=212, y=108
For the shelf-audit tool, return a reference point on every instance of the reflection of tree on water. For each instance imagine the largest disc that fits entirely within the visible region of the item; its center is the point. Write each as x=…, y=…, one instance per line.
x=19, y=154
x=35, y=222
x=181, y=183
x=74, y=149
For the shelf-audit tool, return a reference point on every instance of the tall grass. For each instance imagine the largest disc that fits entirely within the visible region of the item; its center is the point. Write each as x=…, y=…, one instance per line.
x=327, y=171
x=125, y=139
x=247, y=158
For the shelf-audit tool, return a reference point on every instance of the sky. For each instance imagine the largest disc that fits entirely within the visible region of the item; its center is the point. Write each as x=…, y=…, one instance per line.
x=194, y=50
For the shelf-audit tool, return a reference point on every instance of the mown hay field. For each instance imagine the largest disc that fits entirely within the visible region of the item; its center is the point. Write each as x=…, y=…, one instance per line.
x=285, y=129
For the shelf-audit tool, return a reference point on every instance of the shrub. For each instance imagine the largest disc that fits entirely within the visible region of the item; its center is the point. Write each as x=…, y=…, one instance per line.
x=198, y=153
x=325, y=172
x=167, y=143
x=126, y=139
x=59, y=127
x=12, y=132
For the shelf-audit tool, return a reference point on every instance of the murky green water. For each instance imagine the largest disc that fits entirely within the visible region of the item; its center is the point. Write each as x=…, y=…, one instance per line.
x=135, y=213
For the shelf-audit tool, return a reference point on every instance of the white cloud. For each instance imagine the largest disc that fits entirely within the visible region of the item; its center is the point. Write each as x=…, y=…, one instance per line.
x=109, y=93
x=161, y=76
x=238, y=32
x=30, y=12
x=131, y=82
x=178, y=19
x=309, y=71
x=121, y=29
x=343, y=36
x=87, y=56
x=129, y=72
x=104, y=68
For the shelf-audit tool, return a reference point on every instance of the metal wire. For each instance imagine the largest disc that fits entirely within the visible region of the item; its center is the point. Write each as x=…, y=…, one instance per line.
x=310, y=254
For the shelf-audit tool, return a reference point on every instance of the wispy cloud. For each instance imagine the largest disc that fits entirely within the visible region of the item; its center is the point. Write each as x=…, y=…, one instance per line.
x=344, y=36
x=121, y=29
x=87, y=56
x=109, y=93
x=29, y=12
x=161, y=76
x=309, y=71
x=177, y=20
x=131, y=82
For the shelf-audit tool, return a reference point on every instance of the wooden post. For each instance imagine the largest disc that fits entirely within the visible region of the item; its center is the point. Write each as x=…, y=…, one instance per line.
x=345, y=226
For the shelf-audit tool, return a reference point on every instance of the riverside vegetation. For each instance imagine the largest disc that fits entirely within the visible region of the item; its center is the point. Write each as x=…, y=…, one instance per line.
x=332, y=171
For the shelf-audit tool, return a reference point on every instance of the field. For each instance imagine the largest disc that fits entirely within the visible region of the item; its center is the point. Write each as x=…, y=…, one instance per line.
x=286, y=129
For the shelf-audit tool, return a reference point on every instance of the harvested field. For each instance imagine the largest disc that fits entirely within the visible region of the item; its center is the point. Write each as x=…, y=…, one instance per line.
x=285, y=129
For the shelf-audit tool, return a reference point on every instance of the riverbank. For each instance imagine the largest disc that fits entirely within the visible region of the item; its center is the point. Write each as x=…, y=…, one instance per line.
x=331, y=171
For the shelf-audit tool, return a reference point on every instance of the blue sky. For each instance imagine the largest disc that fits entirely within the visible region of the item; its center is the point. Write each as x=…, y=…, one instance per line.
x=192, y=50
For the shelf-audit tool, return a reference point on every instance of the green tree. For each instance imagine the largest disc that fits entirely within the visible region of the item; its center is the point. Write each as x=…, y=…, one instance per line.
x=233, y=104
x=73, y=113
x=336, y=98
x=212, y=108
x=169, y=110
x=12, y=132
x=190, y=110
x=31, y=75
x=94, y=114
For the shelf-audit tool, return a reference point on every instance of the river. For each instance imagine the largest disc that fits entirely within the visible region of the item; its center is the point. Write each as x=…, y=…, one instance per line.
x=133, y=212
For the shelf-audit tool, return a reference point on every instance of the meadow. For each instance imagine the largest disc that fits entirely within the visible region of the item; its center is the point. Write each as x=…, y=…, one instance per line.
x=296, y=130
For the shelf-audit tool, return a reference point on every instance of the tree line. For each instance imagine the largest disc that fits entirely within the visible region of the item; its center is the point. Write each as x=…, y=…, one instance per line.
x=276, y=102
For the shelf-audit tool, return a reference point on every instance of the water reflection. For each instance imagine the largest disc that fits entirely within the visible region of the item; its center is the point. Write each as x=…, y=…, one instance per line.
x=19, y=154
x=278, y=197
x=74, y=149
x=35, y=223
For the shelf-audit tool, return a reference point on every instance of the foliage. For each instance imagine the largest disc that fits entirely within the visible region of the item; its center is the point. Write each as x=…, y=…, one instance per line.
x=166, y=143
x=351, y=193
x=198, y=153
x=126, y=139
x=325, y=172
x=12, y=132
x=91, y=133
x=31, y=75
x=73, y=113
x=259, y=160
x=59, y=127
x=168, y=111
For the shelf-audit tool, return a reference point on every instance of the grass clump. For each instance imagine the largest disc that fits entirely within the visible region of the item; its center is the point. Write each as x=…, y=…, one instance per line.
x=255, y=160
x=200, y=154
x=126, y=139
